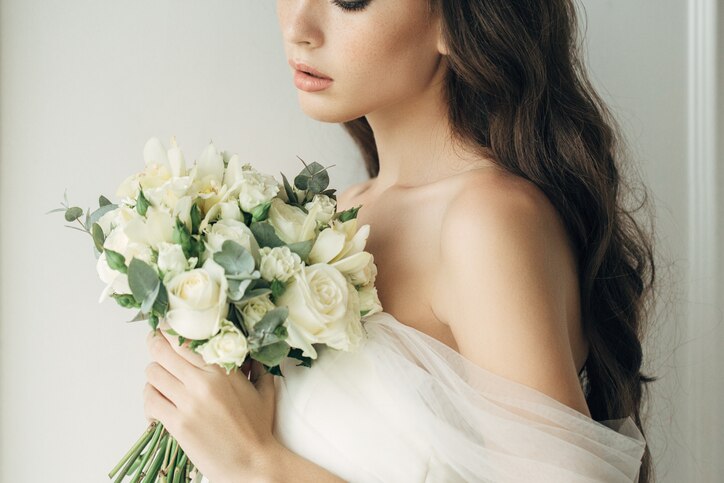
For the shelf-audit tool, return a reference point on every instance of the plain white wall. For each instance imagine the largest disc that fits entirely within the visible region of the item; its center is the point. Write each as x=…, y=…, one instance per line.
x=84, y=83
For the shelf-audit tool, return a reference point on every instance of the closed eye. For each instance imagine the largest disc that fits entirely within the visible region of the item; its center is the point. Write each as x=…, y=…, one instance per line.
x=356, y=5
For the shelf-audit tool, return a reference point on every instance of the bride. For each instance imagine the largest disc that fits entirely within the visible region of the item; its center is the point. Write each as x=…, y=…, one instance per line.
x=512, y=278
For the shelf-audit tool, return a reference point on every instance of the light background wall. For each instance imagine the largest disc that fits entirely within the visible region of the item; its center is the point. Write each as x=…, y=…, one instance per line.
x=84, y=83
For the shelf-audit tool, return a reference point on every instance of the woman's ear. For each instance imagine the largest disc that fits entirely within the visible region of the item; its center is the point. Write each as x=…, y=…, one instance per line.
x=441, y=46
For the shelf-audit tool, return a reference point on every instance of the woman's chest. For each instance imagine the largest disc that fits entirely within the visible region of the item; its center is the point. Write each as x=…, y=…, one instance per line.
x=404, y=240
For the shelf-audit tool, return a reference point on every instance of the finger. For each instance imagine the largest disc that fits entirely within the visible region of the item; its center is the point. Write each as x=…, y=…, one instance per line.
x=192, y=357
x=165, y=382
x=156, y=406
x=162, y=352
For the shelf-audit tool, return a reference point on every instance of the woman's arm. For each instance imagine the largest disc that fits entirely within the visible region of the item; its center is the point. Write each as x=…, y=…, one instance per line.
x=279, y=465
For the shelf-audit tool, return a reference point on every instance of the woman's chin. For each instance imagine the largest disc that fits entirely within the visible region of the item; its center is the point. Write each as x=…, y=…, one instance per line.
x=325, y=110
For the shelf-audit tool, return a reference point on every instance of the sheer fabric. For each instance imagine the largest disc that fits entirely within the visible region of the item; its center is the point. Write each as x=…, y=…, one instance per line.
x=405, y=407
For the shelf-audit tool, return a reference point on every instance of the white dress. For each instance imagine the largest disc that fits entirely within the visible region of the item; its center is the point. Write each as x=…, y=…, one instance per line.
x=405, y=407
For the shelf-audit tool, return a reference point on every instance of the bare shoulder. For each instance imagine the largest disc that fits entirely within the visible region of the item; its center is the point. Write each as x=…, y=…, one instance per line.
x=505, y=272
x=345, y=197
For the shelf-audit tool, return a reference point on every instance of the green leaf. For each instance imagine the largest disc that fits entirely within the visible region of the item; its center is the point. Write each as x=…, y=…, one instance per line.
x=348, y=214
x=72, y=214
x=116, y=261
x=96, y=215
x=160, y=305
x=313, y=178
x=302, y=248
x=277, y=288
x=195, y=218
x=261, y=212
x=144, y=283
x=250, y=294
x=289, y=191
x=103, y=201
x=237, y=289
x=296, y=353
x=98, y=237
x=142, y=203
x=265, y=331
x=182, y=236
x=235, y=259
x=265, y=234
x=153, y=321
x=331, y=193
x=181, y=340
x=271, y=354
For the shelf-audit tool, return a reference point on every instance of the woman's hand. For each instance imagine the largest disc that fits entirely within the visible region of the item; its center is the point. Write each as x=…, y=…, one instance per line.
x=223, y=422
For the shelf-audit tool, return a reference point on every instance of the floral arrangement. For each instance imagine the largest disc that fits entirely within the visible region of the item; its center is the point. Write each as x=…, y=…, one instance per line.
x=236, y=263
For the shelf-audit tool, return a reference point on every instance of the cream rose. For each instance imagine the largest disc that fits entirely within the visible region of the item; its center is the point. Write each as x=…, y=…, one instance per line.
x=255, y=309
x=290, y=222
x=323, y=308
x=340, y=240
x=255, y=188
x=369, y=300
x=278, y=263
x=197, y=301
x=228, y=348
x=322, y=208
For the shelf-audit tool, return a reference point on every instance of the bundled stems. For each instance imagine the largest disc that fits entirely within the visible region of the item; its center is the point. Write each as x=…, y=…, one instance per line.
x=163, y=460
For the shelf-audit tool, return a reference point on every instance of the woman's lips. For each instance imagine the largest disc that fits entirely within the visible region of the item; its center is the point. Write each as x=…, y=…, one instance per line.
x=309, y=83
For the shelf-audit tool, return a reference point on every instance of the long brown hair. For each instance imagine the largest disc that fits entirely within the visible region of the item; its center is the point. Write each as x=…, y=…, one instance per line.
x=517, y=88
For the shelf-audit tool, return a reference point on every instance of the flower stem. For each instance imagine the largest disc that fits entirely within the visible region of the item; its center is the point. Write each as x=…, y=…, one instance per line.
x=156, y=465
x=133, y=451
x=146, y=458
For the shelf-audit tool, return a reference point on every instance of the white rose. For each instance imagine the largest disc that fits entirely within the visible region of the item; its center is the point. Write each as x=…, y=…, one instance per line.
x=229, y=210
x=255, y=188
x=322, y=208
x=197, y=301
x=232, y=230
x=369, y=300
x=323, y=308
x=228, y=348
x=359, y=268
x=278, y=263
x=171, y=259
x=290, y=222
x=255, y=309
x=338, y=241
x=117, y=217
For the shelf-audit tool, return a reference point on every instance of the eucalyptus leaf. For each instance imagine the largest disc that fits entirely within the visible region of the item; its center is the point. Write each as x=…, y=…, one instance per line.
x=237, y=288
x=151, y=298
x=264, y=332
x=265, y=234
x=302, y=248
x=250, y=294
x=98, y=237
x=73, y=213
x=96, y=215
x=235, y=259
x=144, y=281
x=103, y=201
x=271, y=354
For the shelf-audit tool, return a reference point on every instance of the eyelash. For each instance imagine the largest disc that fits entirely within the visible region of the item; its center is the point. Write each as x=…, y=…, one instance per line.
x=351, y=6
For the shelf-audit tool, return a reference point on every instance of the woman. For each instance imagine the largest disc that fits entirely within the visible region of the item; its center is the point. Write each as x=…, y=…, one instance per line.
x=510, y=271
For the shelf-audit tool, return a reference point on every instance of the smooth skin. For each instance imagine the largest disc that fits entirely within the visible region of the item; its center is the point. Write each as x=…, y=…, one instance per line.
x=467, y=253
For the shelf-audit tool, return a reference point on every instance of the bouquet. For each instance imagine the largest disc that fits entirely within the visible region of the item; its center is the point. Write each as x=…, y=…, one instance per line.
x=234, y=262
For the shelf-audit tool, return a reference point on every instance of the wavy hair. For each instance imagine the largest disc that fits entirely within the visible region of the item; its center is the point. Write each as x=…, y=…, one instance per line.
x=517, y=89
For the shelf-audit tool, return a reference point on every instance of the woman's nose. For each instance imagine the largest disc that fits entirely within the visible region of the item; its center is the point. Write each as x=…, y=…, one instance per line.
x=301, y=21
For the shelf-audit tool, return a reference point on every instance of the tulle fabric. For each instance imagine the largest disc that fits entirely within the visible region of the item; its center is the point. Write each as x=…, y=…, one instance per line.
x=405, y=407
